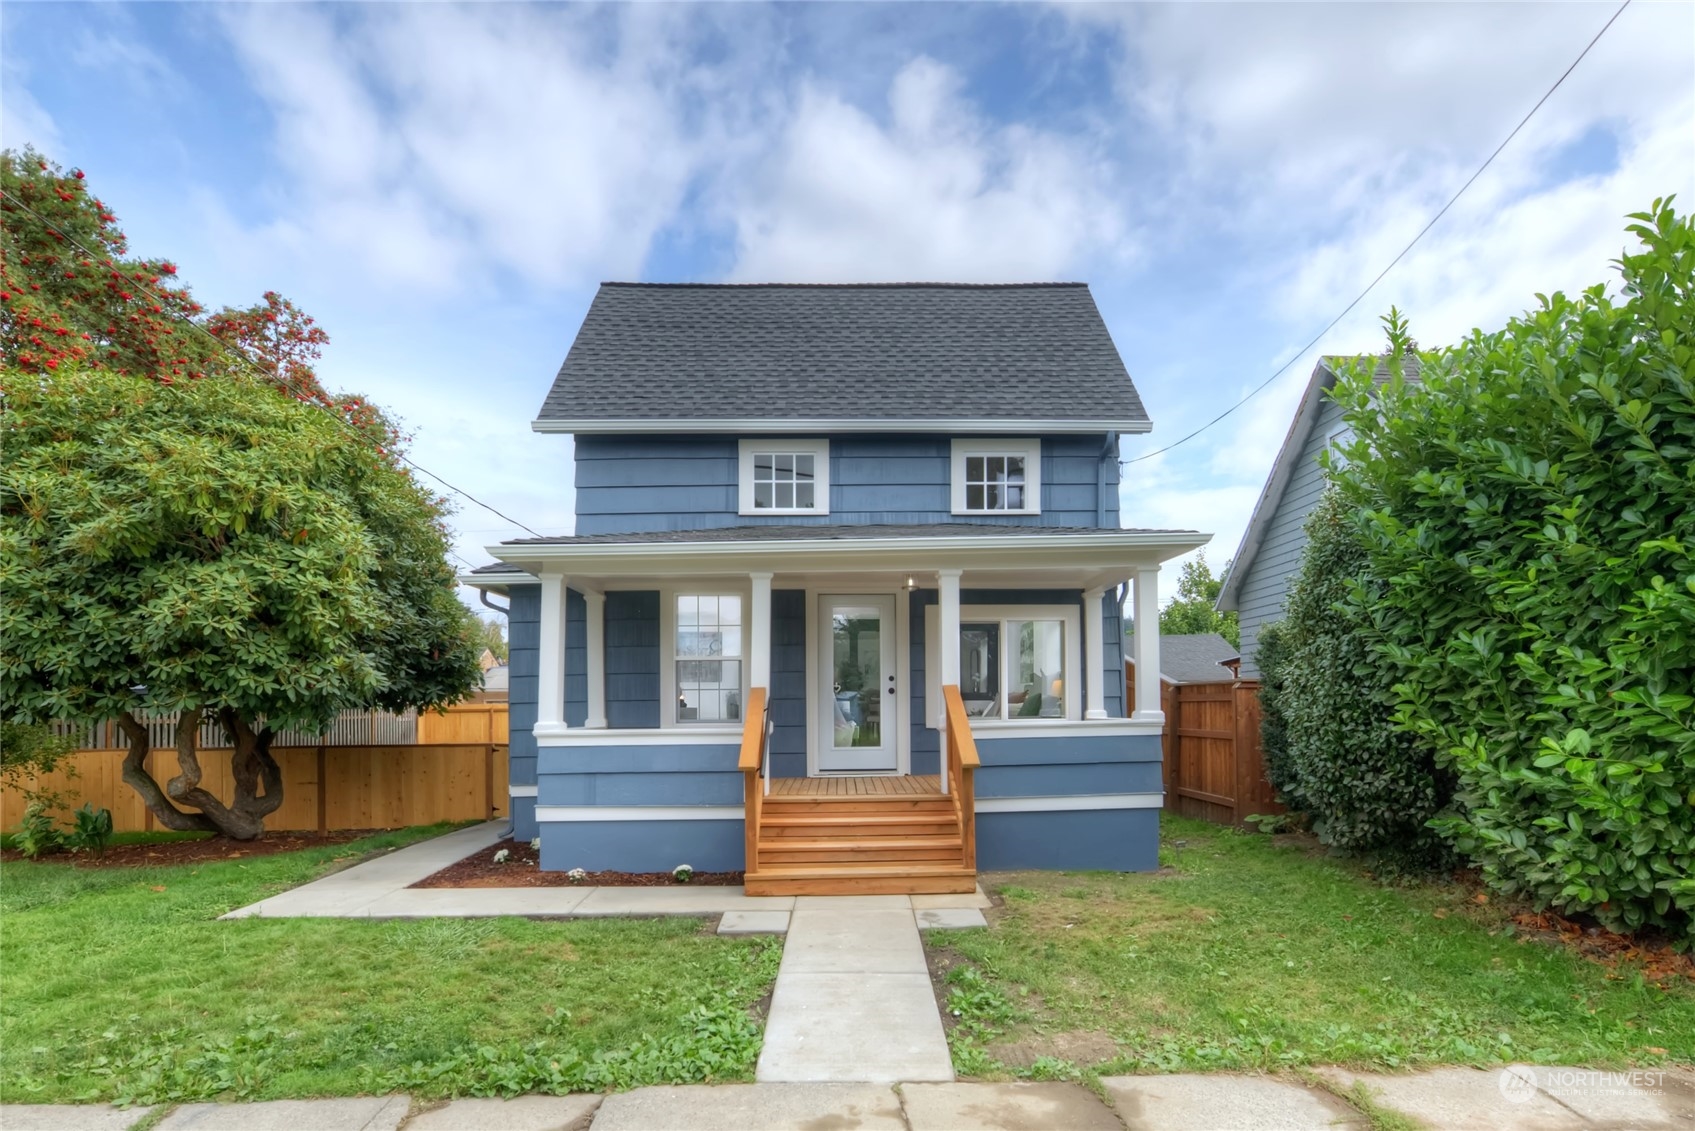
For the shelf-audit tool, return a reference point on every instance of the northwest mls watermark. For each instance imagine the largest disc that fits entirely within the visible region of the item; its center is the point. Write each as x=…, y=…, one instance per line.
x=1520, y=1082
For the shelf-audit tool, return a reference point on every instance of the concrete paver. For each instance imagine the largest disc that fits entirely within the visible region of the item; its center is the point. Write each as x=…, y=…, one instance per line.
x=526, y=1113
x=950, y=919
x=1225, y=1103
x=476, y=903
x=70, y=1117
x=366, y=1113
x=868, y=902
x=853, y=1000
x=1647, y=1099
x=754, y=923
x=754, y=1107
x=1004, y=1107
x=1464, y=1099
x=977, y=899
x=679, y=900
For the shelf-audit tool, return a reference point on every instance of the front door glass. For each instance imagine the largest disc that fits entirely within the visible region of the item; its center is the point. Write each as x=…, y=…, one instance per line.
x=861, y=697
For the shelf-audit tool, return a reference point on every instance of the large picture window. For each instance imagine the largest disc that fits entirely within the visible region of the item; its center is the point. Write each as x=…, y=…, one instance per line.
x=1016, y=663
x=784, y=477
x=997, y=477
x=707, y=658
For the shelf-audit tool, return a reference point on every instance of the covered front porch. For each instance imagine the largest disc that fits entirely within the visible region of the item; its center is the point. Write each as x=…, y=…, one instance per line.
x=711, y=701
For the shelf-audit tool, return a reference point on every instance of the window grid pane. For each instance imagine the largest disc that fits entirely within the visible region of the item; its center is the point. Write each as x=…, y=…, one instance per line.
x=706, y=657
x=994, y=483
x=784, y=481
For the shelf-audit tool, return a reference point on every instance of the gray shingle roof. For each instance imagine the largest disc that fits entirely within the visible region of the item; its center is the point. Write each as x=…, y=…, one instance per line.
x=1027, y=354
x=1194, y=658
x=776, y=533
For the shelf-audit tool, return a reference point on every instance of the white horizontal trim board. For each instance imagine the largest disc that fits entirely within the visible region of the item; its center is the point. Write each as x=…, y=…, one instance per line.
x=521, y=791
x=1070, y=804
x=554, y=813
x=730, y=735
x=988, y=730
x=767, y=426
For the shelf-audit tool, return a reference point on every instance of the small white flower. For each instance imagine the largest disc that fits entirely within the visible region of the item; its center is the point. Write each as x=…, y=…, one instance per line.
x=576, y=875
x=535, y=844
x=682, y=873
x=501, y=856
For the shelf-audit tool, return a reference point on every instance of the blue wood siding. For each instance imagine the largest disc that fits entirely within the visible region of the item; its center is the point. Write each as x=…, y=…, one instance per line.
x=632, y=659
x=1111, y=840
x=1067, y=765
x=523, y=637
x=642, y=846
x=1278, y=558
x=627, y=484
x=788, y=683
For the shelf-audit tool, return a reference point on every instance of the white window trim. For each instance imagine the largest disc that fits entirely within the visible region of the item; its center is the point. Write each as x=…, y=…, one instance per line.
x=668, y=652
x=1070, y=615
x=1031, y=450
x=818, y=449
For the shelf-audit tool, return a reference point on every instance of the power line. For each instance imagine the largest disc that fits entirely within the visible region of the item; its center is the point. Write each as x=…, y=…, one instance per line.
x=244, y=360
x=1443, y=211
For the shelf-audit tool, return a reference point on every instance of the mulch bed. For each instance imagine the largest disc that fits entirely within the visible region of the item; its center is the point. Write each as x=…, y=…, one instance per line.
x=202, y=851
x=522, y=869
x=1657, y=957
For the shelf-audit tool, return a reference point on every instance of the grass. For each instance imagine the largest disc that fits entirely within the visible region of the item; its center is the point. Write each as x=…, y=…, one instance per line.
x=1246, y=952
x=120, y=985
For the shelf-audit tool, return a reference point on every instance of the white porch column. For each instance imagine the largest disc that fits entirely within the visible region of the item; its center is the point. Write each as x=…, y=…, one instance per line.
x=1094, y=654
x=759, y=632
x=947, y=648
x=1146, y=604
x=595, y=669
x=550, y=658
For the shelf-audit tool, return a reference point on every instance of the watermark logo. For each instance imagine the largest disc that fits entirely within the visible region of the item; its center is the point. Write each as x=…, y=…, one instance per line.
x=1518, y=1083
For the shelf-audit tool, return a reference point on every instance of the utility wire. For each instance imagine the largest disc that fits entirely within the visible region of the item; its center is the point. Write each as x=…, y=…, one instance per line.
x=242, y=359
x=1443, y=211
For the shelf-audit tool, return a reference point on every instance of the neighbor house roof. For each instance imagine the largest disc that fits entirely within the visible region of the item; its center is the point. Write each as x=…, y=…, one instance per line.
x=1029, y=357
x=1193, y=658
x=1283, y=469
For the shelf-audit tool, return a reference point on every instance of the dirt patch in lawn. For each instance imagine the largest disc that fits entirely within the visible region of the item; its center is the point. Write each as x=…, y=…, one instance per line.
x=1081, y=1047
x=521, y=868
x=202, y=851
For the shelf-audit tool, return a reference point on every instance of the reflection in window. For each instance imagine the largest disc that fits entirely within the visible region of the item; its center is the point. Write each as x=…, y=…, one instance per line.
x=980, y=669
x=1033, y=672
x=784, y=481
x=994, y=483
x=708, y=658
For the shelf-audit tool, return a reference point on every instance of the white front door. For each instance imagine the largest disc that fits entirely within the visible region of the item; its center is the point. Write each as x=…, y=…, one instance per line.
x=858, y=697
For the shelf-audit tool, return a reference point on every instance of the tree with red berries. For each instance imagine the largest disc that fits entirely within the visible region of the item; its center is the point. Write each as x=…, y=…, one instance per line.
x=189, y=523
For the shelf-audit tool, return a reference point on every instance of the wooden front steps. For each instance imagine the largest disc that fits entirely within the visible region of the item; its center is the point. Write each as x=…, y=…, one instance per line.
x=858, y=843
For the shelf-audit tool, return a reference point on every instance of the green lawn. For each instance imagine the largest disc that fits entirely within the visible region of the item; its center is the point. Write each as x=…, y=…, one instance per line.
x=1245, y=952
x=119, y=984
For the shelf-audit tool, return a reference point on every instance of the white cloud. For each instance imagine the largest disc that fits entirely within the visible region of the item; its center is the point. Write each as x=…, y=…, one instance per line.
x=22, y=119
x=935, y=193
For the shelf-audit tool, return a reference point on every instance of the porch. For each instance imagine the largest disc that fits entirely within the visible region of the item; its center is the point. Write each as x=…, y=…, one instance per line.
x=806, y=706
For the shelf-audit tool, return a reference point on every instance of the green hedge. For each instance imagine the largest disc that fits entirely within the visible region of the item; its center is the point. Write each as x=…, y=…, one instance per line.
x=1529, y=520
x=1367, y=786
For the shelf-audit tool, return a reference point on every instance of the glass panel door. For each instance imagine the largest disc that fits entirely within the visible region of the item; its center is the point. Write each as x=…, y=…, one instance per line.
x=859, y=700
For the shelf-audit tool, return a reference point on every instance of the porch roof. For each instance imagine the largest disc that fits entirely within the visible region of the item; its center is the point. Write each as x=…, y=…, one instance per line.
x=989, y=553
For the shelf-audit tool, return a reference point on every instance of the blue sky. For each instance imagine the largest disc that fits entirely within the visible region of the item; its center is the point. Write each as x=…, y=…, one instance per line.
x=442, y=185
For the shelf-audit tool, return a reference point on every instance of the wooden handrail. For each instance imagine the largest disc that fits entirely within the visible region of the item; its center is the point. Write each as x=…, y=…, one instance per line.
x=961, y=767
x=752, y=763
x=753, y=732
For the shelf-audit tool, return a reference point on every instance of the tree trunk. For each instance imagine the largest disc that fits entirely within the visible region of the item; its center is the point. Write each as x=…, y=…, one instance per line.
x=135, y=773
x=251, y=767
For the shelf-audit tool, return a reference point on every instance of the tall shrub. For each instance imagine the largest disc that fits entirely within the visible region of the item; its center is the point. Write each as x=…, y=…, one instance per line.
x=1271, y=654
x=1530, y=522
x=1368, y=786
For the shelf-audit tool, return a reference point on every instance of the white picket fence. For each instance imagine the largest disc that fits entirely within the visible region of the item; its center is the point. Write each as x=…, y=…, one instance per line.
x=350, y=728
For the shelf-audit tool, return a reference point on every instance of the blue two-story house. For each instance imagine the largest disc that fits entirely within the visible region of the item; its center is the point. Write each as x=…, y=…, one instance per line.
x=842, y=607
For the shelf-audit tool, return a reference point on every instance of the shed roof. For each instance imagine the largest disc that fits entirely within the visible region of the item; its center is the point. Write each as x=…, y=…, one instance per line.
x=1191, y=658
x=1024, y=357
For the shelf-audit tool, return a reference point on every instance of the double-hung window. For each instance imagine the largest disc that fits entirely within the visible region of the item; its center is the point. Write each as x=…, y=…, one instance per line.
x=997, y=477
x=784, y=477
x=706, y=658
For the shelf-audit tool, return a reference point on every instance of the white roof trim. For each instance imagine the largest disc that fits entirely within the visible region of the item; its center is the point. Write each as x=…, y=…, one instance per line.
x=767, y=426
x=1282, y=470
x=497, y=580
x=1109, y=553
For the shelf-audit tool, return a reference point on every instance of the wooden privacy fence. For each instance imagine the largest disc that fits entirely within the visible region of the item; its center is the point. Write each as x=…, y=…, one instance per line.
x=459, y=777
x=1214, y=769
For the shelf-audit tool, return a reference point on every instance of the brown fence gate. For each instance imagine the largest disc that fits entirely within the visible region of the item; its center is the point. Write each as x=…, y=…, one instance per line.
x=1214, y=769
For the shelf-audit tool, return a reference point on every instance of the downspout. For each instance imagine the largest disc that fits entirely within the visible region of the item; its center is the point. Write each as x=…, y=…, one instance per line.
x=503, y=610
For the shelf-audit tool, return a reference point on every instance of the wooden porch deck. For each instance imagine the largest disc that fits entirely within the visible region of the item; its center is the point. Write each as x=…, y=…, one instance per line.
x=912, y=785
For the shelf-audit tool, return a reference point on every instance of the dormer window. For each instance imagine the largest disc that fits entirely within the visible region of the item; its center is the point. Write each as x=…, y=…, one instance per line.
x=997, y=477
x=785, y=477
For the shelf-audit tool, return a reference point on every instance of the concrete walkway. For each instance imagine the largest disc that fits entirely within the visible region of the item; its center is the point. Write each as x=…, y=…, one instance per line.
x=382, y=889
x=853, y=1000
x=1449, y=1099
